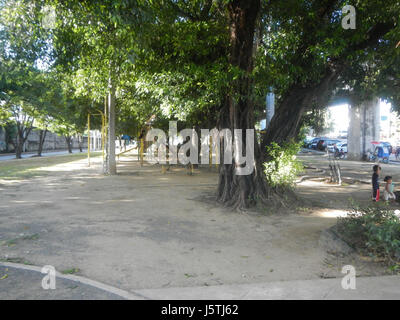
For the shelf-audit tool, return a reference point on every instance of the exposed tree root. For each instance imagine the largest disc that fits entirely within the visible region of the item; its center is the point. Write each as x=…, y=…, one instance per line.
x=251, y=192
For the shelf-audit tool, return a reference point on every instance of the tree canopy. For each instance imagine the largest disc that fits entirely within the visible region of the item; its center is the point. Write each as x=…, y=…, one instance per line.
x=205, y=63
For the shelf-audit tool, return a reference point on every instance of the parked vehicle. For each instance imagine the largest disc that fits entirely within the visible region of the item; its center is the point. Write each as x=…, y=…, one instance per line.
x=381, y=153
x=337, y=143
x=313, y=143
x=307, y=142
x=388, y=145
x=330, y=144
x=343, y=146
x=321, y=144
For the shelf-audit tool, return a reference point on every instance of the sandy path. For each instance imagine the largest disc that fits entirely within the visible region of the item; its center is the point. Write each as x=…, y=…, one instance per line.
x=143, y=229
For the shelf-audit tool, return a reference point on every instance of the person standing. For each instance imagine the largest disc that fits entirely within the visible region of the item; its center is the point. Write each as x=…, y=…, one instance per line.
x=375, y=182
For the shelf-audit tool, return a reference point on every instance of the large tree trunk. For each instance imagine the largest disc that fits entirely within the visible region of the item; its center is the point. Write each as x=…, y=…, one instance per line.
x=286, y=122
x=68, y=139
x=22, y=135
x=42, y=138
x=80, y=142
x=110, y=167
x=241, y=191
x=18, y=148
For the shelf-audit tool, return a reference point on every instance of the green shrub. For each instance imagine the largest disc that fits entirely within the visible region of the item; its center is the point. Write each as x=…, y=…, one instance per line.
x=373, y=230
x=283, y=167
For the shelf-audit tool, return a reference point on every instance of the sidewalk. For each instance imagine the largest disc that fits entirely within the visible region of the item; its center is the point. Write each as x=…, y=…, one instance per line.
x=24, y=282
x=375, y=288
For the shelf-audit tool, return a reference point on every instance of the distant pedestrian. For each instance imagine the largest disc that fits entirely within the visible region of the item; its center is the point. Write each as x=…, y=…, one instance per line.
x=397, y=153
x=375, y=182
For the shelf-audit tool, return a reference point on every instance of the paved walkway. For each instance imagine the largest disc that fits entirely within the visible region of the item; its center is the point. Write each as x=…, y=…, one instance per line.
x=376, y=288
x=24, y=282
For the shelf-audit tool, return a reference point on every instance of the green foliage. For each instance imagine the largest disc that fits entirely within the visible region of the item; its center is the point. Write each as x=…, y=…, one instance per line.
x=282, y=168
x=319, y=120
x=374, y=230
x=70, y=271
x=304, y=39
x=169, y=58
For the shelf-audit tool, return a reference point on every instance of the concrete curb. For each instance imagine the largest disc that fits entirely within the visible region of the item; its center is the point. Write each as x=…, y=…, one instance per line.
x=377, y=288
x=92, y=283
x=383, y=287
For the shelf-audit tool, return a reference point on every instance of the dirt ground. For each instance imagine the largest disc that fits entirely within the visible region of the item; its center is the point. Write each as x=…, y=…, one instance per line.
x=144, y=229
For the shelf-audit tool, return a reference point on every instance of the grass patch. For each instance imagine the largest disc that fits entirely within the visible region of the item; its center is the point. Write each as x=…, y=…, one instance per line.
x=30, y=167
x=188, y=275
x=71, y=271
x=17, y=260
x=9, y=243
x=13, y=242
x=374, y=231
x=31, y=237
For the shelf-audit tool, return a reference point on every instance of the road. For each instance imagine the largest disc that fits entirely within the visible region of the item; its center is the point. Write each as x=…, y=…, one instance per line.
x=11, y=156
x=392, y=157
